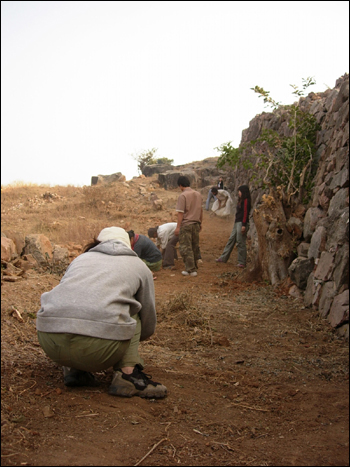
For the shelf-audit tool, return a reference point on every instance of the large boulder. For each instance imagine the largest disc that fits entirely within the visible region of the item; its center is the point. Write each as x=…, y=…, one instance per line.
x=152, y=169
x=39, y=247
x=318, y=242
x=8, y=249
x=168, y=180
x=60, y=255
x=107, y=179
x=17, y=238
x=299, y=271
x=312, y=217
x=339, y=311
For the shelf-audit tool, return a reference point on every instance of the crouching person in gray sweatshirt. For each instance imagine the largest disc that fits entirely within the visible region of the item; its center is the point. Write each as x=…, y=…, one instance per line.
x=97, y=315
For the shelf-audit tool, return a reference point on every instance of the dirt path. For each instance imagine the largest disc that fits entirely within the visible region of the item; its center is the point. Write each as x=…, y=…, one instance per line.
x=253, y=378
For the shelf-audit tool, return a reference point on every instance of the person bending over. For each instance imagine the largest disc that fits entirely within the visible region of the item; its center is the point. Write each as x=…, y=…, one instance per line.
x=166, y=241
x=146, y=250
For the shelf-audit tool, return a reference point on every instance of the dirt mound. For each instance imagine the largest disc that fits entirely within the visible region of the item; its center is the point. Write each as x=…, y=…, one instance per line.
x=254, y=378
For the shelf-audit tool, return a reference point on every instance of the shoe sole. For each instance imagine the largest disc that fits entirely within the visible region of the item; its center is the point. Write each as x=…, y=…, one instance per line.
x=145, y=394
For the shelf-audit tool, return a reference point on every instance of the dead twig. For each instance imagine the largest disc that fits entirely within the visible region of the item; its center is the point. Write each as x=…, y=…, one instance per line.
x=16, y=314
x=87, y=415
x=27, y=389
x=48, y=392
x=150, y=451
x=251, y=408
x=225, y=445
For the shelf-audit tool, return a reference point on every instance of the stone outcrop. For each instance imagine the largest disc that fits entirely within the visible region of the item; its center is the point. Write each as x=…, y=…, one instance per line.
x=106, y=179
x=150, y=170
x=201, y=174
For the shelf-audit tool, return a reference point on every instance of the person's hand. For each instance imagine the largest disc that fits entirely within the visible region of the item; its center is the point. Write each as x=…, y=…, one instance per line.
x=243, y=229
x=177, y=231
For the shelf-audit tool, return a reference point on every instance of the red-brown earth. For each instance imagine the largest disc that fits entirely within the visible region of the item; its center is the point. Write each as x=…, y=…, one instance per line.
x=253, y=377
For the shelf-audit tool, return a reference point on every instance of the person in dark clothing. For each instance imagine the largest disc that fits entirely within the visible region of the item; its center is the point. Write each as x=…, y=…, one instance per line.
x=240, y=229
x=146, y=250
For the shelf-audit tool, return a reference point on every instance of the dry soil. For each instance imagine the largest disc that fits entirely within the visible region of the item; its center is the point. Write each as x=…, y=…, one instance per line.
x=253, y=377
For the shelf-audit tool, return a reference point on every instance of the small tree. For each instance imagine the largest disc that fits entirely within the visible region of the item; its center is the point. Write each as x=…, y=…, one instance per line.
x=289, y=159
x=164, y=160
x=281, y=161
x=145, y=158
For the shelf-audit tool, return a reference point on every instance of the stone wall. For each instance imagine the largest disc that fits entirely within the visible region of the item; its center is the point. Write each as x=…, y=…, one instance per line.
x=324, y=223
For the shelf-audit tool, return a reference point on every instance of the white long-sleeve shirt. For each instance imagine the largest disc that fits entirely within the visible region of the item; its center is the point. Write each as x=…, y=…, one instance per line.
x=164, y=233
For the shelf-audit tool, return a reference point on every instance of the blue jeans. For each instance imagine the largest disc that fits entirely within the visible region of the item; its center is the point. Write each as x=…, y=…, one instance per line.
x=239, y=238
x=210, y=196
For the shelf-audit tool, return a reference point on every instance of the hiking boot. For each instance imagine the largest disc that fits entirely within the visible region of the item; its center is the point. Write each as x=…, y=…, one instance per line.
x=136, y=384
x=76, y=378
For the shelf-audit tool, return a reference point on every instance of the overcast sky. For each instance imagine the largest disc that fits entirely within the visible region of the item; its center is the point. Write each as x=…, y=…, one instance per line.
x=84, y=85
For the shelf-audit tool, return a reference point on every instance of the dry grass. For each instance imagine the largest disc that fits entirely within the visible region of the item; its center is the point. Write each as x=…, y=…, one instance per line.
x=67, y=214
x=181, y=313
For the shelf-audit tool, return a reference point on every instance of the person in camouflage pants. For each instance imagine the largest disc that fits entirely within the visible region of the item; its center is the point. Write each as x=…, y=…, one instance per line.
x=189, y=246
x=189, y=224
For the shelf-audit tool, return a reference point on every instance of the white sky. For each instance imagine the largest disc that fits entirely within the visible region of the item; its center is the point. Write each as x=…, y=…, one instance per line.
x=84, y=85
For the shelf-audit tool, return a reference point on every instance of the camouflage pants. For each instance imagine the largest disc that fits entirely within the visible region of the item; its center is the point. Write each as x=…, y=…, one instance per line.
x=189, y=246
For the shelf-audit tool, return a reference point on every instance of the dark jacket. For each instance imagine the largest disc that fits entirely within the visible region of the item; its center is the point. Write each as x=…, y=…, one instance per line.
x=242, y=211
x=146, y=249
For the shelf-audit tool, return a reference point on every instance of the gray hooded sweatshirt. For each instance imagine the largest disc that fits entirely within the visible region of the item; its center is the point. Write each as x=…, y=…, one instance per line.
x=99, y=294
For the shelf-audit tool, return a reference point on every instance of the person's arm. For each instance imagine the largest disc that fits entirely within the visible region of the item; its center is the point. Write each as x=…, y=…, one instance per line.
x=146, y=296
x=180, y=216
x=245, y=215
